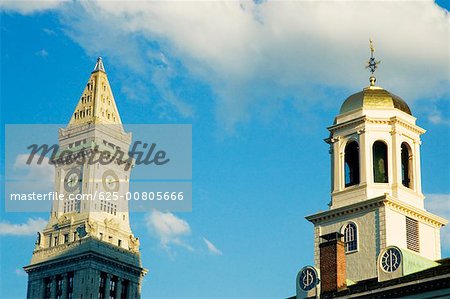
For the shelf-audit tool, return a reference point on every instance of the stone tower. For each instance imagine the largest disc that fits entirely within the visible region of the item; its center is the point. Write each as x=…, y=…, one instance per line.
x=376, y=194
x=87, y=249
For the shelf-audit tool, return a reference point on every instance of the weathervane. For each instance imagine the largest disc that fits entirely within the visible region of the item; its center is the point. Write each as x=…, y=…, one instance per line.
x=372, y=64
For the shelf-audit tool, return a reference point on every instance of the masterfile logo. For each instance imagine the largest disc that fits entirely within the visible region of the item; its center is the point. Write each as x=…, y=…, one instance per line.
x=149, y=168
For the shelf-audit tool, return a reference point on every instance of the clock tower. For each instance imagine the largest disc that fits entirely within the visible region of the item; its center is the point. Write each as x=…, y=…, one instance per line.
x=87, y=249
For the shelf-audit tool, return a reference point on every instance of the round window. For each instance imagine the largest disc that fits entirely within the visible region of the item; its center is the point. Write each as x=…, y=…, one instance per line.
x=391, y=259
x=308, y=278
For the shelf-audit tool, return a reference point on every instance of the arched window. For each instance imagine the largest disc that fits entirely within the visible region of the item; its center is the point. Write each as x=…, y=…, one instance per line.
x=350, y=237
x=351, y=159
x=380, y=162
x=406, y=165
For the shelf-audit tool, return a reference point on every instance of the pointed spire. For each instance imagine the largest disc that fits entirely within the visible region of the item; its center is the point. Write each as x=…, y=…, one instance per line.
x=99, y=65
x=96, y=104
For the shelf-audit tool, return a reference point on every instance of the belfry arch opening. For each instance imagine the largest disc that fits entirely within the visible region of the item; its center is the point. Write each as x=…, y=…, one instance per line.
x=380, y=162
x=406, y=157
x=351, y=164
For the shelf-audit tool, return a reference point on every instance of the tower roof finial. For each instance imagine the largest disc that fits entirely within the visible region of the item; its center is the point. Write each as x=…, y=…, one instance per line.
x=372, y=64
x=99, y=65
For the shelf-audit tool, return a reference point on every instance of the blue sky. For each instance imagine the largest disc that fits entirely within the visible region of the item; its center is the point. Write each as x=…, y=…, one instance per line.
x=259, y=83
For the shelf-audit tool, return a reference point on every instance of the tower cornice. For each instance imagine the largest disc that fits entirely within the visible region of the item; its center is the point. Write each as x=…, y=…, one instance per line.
x=384, y=200
x=378, y=121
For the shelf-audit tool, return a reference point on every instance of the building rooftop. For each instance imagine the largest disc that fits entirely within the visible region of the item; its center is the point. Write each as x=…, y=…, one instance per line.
x=429, y=280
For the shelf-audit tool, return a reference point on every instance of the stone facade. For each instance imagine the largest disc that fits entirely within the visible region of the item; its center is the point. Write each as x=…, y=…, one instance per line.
x=75, y=270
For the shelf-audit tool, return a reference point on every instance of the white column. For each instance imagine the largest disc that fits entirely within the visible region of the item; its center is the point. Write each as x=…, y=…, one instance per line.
x=393, y=165
x=368, y=159
x=362, y=157
x=396, y=162
x=416, y=167
x=336, y=164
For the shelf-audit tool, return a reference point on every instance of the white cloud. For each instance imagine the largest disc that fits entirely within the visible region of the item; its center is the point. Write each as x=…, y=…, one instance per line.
x=33, y=177
x=211, y=247
x=257, y=56
x=30, y=228
x=435, y=117
x=29, y=6
x=254, y=55
x=49, y=31
x=439, y=204
x=42, y=53
x=170, y=229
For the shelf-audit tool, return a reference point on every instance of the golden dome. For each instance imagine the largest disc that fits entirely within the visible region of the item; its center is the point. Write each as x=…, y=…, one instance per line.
x=374, y=98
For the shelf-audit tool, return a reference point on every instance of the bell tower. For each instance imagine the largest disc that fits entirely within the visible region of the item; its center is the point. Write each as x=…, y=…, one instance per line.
x=376, y=193
x=87, y=249
x=375, y=149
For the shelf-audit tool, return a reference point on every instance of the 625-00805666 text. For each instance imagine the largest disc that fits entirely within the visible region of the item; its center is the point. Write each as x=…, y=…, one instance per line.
x=109, y=196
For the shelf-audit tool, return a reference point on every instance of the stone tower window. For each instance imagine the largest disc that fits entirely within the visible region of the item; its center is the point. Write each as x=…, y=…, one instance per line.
x=406, y=165
x=351, y=159
x=125, y=286
x=102, y=285
x=47, y=287
x=380, y=162
x=350, y=237
x=59, y=286
x=113, y=287
x=70, y=285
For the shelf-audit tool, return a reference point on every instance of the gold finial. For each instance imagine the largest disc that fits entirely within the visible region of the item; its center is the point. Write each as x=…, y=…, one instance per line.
x=372, y=64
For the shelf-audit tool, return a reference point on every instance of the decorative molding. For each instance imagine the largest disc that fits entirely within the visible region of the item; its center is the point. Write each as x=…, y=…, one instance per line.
x=416, y=129
x=91, y=251
x=350, y=209
x=389, y=121
x=384, y=200
x=349, y=123
x=416, y=213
